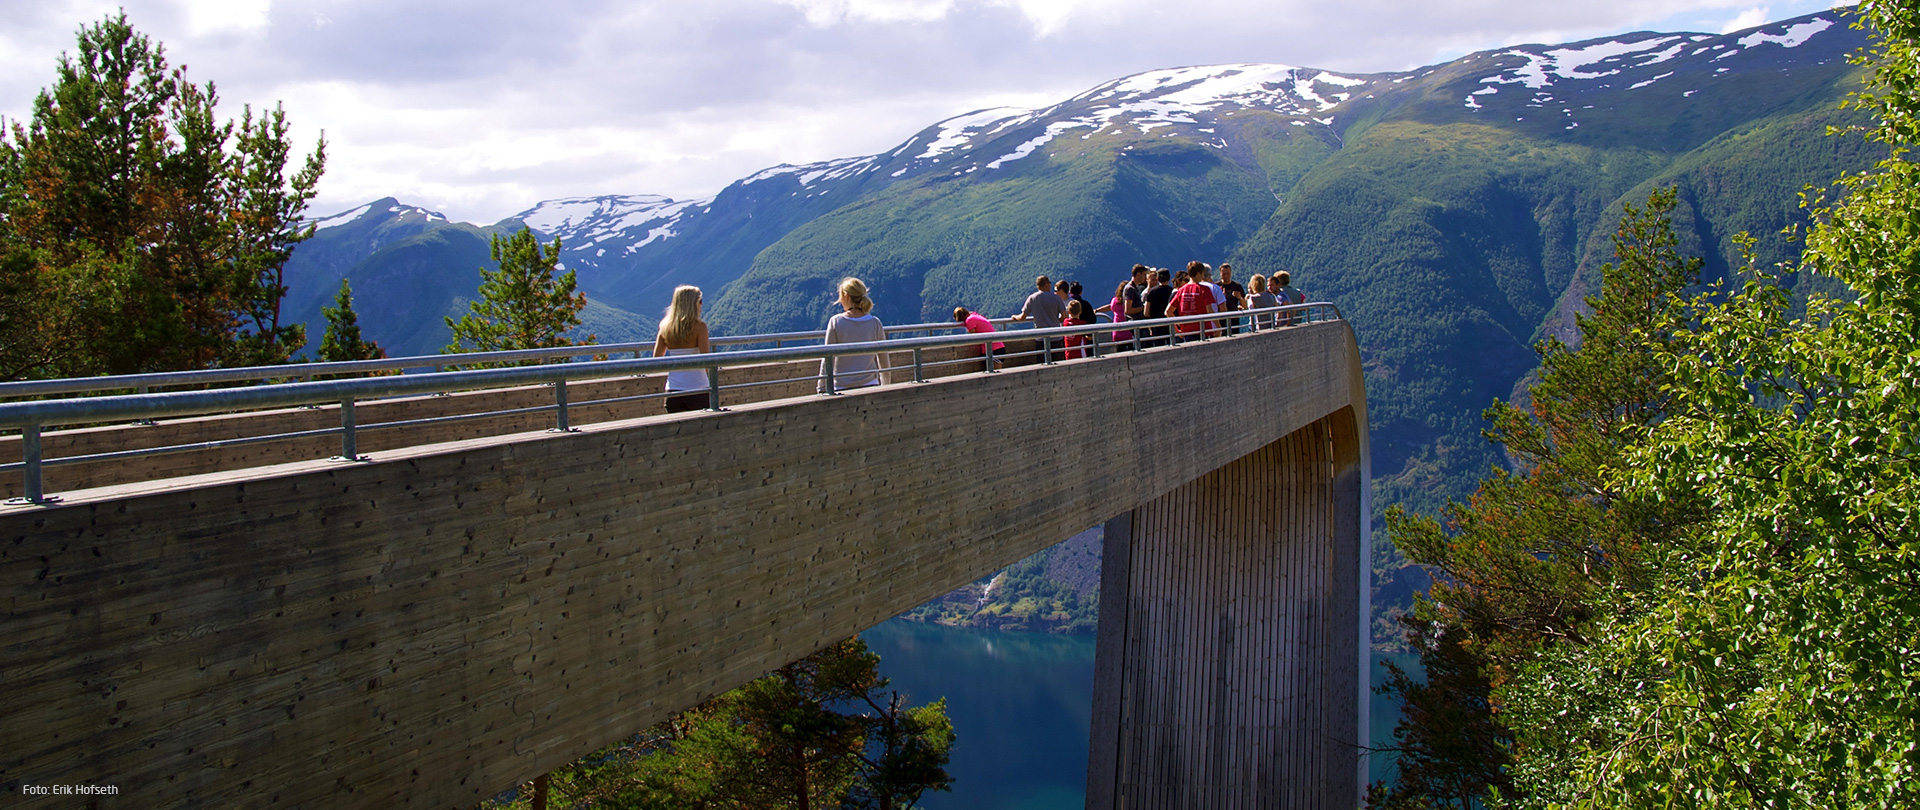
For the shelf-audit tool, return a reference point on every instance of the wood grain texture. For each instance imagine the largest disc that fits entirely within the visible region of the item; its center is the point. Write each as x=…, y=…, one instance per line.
x=440, y=622
x=1231, y=666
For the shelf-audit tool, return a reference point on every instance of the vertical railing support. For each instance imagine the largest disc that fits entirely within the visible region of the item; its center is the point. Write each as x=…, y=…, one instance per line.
x=986, y=349
x=1096, y=344
x=918, y=374
x=713, y=388
x=32, y=489
x=1046, y=351
x=348, y=450
x=826, y=375
x=1136, y=338
x=561, y=424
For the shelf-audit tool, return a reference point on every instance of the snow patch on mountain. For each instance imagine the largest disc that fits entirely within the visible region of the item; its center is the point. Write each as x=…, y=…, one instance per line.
x=807, y=174
x=1176, y=95
x=341, y=218
x=387, y=207
x=1027, y=148
x=1591, y=60
x=961, y=129
x=1792, y=37
x=583, y=221
x=1638, y=85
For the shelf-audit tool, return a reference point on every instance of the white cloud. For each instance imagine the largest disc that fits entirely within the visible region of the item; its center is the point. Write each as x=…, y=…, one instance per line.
x=206, y=17
x=829, y=12
x=1756, y=15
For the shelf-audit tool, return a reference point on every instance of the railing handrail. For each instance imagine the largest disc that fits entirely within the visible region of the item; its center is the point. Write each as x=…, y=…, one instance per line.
x=77, y=410
x=157, y=379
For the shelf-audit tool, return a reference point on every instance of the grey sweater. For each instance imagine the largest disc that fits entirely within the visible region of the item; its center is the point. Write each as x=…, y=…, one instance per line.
x=854, y=370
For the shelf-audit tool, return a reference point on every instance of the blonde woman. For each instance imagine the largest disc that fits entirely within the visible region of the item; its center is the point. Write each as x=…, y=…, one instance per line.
x=1259, y=298
x=682, y=332
x=856, y=325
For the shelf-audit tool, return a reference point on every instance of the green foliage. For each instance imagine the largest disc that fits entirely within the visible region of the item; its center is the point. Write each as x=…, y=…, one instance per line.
x=342, y=339
x=1743, y=632
x=823, y=731
x=522, y=304
x=137, y=231
x=1775, y=662
x=1522, y=565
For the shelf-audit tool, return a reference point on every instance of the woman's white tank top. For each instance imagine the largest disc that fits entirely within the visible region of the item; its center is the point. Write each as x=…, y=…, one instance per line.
x=692, y=379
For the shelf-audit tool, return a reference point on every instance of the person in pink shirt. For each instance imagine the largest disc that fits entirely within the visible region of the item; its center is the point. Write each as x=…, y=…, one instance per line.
x=978, y=324
x=1118, y=308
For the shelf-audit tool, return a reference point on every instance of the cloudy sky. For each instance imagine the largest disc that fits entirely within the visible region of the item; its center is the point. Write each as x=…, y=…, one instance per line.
x=479, y=108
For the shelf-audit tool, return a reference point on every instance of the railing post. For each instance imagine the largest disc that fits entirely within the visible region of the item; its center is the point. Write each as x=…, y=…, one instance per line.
x=1046, y=351
x=1096, y=344
x=1136, y=338
x=826, y=375
x=986, y=348
x=348, y=450
x=713, y=388
x=918, y=376
x=560, y=421
x=31, y=486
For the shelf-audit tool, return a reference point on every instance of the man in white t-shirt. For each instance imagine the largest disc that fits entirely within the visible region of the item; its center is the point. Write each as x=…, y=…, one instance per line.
x=1219, y=296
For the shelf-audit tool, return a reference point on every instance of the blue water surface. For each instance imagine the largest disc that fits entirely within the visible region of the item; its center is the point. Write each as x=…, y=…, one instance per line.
x=1021, y=704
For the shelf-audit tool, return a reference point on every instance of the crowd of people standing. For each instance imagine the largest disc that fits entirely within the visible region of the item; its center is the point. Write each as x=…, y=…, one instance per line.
x=1148, y=293
x=1151, y=293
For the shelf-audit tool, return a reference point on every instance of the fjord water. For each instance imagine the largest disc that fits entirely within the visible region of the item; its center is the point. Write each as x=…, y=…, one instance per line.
x=1021, y=705
x=1020, y=702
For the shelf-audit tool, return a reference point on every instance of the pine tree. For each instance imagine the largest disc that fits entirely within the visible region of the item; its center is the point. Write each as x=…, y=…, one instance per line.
x=342, y=339
x=1523, y=565
x=522, y=304
x=796, y=737
x=137, y=231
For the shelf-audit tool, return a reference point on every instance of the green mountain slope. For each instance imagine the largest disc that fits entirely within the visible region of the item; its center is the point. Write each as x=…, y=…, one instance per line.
x=928, y=246
x=409, y=269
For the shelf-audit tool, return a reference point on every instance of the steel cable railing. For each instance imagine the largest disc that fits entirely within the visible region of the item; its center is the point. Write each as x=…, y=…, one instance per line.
x=33, y=417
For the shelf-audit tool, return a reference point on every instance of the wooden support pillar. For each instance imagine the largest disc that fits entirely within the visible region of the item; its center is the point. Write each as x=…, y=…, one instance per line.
x=1230, y=666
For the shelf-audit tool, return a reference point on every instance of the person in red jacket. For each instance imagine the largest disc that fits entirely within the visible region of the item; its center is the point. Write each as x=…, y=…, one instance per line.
x=1077, y=315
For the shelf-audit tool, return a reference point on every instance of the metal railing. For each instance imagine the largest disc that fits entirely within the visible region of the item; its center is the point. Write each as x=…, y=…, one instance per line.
x=145, y=383
x=33, y=417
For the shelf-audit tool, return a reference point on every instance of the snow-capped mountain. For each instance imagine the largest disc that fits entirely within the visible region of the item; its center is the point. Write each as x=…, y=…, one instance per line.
x=1230, y=141
x=628, y=222
x=384, y=209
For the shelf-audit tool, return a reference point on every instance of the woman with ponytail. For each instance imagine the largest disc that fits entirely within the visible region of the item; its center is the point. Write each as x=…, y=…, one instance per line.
x=682, y=332
x=856, y=325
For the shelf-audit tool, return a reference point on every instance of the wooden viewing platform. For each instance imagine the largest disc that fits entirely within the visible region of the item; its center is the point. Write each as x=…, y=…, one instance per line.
x=462, y=610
